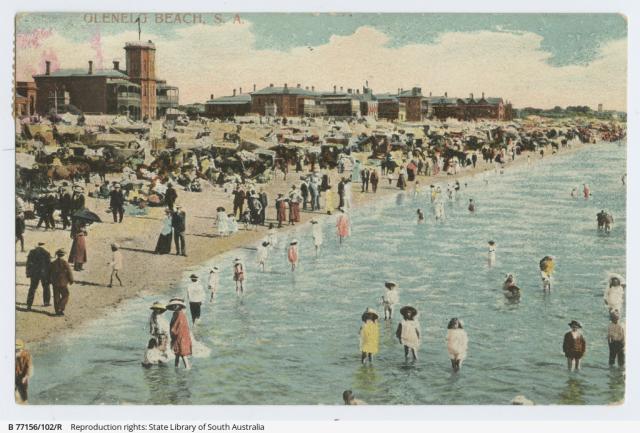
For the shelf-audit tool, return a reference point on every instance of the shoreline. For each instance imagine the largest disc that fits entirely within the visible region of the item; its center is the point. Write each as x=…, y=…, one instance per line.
x=144, y=272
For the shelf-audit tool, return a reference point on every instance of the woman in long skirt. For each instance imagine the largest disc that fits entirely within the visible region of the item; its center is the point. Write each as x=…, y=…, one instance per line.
x=163, y=246
x=78, y=253
x=343, y=226
x=180, y=334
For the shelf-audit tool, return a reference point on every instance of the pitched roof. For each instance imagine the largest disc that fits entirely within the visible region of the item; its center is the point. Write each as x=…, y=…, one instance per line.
x=288, y=90
x=79, y=72
x=243, y=98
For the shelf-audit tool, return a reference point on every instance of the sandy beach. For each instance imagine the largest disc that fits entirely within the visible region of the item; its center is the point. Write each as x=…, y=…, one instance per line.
x=145, y=272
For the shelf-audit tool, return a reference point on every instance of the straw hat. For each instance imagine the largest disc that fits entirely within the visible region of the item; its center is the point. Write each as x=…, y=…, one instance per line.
x=175, y=304
x=158, y=306
x=409, y=311
x=41, y=243
x=237, y=260
x=369, y=314
x=214, y=269
x=19, y=344
x=390, y=284
x=61, y=252
x=293, y=242
x=575, y=323
x=193, y=276
x=266, y=244
x=314, y=222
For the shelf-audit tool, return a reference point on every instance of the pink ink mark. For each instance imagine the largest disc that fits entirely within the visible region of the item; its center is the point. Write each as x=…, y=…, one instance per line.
x=32, y=39
x=96, y=44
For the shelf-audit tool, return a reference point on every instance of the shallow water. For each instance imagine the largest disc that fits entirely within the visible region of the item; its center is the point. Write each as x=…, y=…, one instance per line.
x=293, y=339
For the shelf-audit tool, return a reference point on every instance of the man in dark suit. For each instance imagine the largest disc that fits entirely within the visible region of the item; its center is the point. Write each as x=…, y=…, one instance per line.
x=179, y=224
x=364, y=177
x=238, y=201
x=264, y=201
x=38, y=263
x=65, y=205
x=170, y=196
x=61, y=277
x=116, y=203
x=341, y=193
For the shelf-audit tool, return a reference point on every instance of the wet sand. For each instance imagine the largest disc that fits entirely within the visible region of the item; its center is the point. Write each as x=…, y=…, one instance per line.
x=145, y=272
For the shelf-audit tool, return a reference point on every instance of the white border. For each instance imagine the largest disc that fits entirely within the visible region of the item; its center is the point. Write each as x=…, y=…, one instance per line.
x=9, y=411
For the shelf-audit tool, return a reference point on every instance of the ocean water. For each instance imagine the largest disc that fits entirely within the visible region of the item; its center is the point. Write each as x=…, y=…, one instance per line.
x=293, y=338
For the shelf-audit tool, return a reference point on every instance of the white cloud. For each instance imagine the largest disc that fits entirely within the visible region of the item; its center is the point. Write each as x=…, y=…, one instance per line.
x=215, y=59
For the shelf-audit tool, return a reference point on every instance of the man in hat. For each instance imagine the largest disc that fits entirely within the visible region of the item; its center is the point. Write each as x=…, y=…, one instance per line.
x=179, y=224
x=170, y=196
x=389, y=299
x=116, y=203
x=195, y=296
x=61, y=277
x=65, y=205
x=38, y=264
x=616, y=340
x=574, y=345
x=281, y=209
x=77, y=199
x=238, y=200
x=24, y=372
x=45, y=207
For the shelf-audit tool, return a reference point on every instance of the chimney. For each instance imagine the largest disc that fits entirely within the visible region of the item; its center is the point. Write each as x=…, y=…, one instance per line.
x=398, y=90
x=334, y=89
x=313, y=88
x=240, y=91
x=445, y=95
x=234, y=92
x=366, y=83
x=254, y=87
x=429, y=94
x=271, y=85
x=482, y=95
x=358, y=91
x=341, y=89
x=298, y=85
x=470, y=95
x=306, y=87
x=48, y=67
x=116, y=65
x=285, y=86
x=211, y=96
x=90, y=67
x=349, y=91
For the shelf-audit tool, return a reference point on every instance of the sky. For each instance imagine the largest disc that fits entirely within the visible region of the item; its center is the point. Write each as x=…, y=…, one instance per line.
x=539, y=60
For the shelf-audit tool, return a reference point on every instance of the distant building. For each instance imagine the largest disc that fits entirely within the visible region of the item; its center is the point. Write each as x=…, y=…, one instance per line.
x=285, y=101
x=443, y=107
x=228, y=106
x=135, y=91
x=340, y=103
x=25, y=98
x=390, y=107
x=416, y=104
x=600, y=108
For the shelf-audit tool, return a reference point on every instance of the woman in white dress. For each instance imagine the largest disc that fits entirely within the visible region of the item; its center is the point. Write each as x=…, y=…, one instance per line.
x=222, y=222
x=263, y=254
x=457, y=343
x=316, y=232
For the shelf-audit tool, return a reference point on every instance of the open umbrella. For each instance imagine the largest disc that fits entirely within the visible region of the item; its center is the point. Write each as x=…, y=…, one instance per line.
x=87, y=216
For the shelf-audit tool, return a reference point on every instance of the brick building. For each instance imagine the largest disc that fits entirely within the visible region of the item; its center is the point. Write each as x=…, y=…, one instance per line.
x=285, y=101
x=443, y=107
x=134, y=91
x=390, y=107
x=416, y=104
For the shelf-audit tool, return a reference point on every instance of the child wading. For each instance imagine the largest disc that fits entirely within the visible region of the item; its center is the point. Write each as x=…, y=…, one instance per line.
x=238, y=276
x=616, y=340
x=492, y=253
x=214, y=281
x=116, y=264
x=408, y=332
x=195, y=295
x=316, y=232
x=292, y=254
x=574, y=345
x=369, y=335
x=262, y=255
x=457, y=342
x=389, y=299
